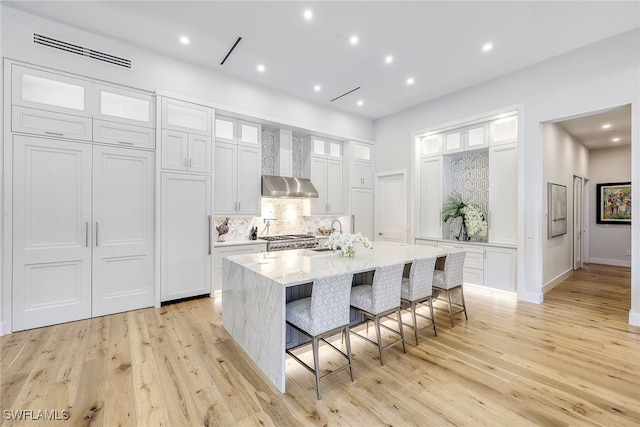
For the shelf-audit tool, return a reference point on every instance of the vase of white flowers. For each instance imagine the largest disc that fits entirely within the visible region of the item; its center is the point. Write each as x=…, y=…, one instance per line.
x=345, y=243
x=472, y=221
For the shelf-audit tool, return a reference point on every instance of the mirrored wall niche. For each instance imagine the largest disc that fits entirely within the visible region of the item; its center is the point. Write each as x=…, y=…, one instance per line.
x=467, y=174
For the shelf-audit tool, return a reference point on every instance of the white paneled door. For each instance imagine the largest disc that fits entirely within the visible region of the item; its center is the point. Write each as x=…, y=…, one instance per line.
x=123, y=215
x=391, y=203
x=185, y=252
x=51, y=232
x=83, y=231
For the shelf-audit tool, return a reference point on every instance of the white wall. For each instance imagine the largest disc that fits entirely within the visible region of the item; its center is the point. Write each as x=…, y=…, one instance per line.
x=151, y=71
x=593, y=78
x=609, y=243
x=564, y=157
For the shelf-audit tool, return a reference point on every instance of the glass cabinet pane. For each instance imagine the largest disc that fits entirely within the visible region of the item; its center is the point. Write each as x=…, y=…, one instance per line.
x=52, y=92
x=224, y=128
x=335, y=149
x=249, y=133
x=431, y=144
x=318, y=147
x=126, y=107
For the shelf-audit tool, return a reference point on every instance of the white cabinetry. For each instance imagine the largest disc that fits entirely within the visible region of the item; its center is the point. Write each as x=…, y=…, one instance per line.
x=238, y=166
x=431, y=197
x=238, y=131
x=186, y=117
x=83, y=231
x=467, y=138
x=503, y=130
x=361, y=165
x=183, y=151
x=58, y=105
x=361, y=211
x=431, y=145
x=487, y=265
x=500, y=268
x=185, y=236
x=186, y=200
x=503, y=188
x=473, y=261
x=323, y=166
x=223, y=251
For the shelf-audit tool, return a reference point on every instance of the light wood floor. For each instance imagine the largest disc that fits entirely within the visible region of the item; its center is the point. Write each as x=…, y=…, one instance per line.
x=572, y=360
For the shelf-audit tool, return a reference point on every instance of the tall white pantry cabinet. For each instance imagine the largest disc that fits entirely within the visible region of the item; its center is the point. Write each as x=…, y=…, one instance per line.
x=81, y=180
x=185, y=199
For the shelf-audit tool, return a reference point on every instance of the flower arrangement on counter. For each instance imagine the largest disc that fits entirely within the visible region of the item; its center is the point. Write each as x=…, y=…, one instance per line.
x=473, y=221
x=346, y=243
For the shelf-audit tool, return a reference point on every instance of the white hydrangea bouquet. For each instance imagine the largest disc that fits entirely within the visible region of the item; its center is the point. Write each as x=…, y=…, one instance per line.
x=346, y=243
x=473, y=222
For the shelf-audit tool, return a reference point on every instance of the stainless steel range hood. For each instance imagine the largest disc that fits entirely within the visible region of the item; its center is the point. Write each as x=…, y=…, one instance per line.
x=287, y=186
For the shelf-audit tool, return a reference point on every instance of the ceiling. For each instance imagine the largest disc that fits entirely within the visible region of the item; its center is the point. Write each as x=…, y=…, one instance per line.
x=601, y=130
x=439, y=44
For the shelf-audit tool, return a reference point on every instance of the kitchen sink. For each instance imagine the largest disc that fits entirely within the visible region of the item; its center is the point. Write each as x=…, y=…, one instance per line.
x=320, y=249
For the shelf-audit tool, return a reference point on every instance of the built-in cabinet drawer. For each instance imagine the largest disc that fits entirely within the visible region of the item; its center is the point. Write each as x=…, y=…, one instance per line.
x=123, y=134
x=50, y=123
x=433, y=243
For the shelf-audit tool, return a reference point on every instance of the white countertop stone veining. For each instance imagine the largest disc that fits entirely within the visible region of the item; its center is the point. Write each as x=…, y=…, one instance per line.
x=295, y=267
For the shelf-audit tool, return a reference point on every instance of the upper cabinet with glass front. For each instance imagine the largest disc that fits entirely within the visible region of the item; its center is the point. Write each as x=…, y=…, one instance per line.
x=50, y=91
x=503, y=130
x=125, y=106
x=322, y=147
x=186, y=117
x=237, y=131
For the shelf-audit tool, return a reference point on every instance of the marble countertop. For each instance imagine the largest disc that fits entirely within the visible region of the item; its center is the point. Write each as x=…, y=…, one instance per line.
x=300, y=266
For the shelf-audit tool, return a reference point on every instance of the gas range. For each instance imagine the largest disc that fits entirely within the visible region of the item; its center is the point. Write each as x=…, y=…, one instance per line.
x=289, y=241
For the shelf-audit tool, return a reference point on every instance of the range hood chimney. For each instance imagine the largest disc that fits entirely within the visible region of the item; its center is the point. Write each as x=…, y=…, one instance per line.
x=283, y=184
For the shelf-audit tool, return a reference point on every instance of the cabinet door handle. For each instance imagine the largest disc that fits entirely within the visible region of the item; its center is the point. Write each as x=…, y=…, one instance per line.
x=190, y=162
x=209, y=239
x=238, y=206
x=96, y=233
x=185, y=162
x=125, y=143
x=353, y=223
x=54, y=133
x=86, y=234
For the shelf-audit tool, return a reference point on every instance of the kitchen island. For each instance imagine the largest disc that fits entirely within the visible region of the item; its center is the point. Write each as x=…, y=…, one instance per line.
x=254, y=292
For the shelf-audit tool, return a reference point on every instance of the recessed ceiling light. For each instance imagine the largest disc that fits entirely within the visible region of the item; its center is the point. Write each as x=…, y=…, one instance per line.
x=353, y=40
x=308, y=14
x=616, y=139
x=260, y=68
x=606, y=126
x=317, y=88
x=184, y=40
x=487, y=47
x=411, y=81
x=360, y=103
x=388, y=59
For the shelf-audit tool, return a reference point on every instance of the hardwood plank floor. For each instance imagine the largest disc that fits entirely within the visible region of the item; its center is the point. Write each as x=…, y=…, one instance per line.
x=572, y=360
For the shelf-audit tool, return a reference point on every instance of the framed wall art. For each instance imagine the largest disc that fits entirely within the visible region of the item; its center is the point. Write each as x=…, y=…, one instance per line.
x=557, y=195
x=613, y=203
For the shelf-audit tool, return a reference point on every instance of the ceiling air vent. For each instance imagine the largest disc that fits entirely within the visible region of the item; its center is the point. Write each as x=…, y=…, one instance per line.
x=82, y=51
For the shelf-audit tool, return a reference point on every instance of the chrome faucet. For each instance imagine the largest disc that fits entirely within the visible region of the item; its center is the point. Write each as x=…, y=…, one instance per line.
x=267, y=221
x=339, y=223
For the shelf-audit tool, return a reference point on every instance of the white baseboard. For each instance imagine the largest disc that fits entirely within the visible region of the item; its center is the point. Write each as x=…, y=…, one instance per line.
x=532, y=297
x=634, y=318
x=605, y=261
x=555, y=281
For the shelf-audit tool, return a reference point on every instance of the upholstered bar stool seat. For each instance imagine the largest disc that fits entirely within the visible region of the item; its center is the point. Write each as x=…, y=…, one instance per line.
x=417, y=289
x=450, y=279
x=380, y=299
x=323, y=314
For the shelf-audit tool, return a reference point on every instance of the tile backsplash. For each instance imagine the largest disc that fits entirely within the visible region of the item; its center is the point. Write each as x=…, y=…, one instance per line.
x=285, y=216
x=268, y=154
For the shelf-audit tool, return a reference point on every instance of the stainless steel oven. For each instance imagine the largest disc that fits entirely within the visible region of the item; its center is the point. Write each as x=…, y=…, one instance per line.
x=290, y=241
